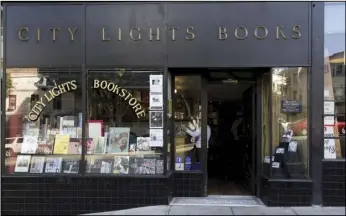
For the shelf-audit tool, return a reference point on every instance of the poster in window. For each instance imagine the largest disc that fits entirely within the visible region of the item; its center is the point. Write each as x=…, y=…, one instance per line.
x=156, y=83
x=118, y=139
x=156, y=101
x=156, y=137
x=29, y=145
x=156, y=119
x=329, y=107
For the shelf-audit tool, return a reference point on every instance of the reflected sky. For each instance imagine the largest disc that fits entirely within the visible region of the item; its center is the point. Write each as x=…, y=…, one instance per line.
x=334, y=28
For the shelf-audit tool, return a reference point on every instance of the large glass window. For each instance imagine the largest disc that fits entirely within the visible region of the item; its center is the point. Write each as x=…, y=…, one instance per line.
x=187, y=115
x=125, y=122
x=289, y=123
x=334, y=80
x=40, y=137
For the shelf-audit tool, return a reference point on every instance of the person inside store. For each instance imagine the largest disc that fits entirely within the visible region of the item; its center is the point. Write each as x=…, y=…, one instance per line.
x=194, y=130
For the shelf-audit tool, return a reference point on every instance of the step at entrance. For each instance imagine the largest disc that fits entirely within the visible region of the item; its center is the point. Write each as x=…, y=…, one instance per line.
x=218, y=201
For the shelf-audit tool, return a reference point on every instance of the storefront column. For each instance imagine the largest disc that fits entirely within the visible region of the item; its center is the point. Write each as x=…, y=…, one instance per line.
x=316, y=100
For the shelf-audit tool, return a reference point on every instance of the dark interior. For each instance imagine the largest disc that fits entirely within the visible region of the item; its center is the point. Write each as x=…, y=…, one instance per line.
x=231, y=109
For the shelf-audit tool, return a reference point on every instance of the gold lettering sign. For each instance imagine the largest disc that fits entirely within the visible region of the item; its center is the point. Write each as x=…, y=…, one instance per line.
x=153, y=33
x=69, y=86
x=121, y=92
x=36, y=110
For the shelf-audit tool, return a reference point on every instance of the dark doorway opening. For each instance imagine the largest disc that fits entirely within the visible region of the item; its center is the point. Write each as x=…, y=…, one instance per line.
x=232, y=120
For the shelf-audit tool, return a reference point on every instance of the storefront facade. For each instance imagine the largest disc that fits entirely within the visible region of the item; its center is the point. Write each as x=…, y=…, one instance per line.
x=90, y=113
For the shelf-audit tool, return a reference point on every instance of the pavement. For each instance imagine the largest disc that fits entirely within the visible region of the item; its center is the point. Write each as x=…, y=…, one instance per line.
x=223, y=210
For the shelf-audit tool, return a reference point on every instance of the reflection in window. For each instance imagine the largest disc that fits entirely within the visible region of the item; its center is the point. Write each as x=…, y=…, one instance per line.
x=334, y=80
x=187, y=107
x=266, y=123
x=125, y=122
x=40, y=139
x=290, y=123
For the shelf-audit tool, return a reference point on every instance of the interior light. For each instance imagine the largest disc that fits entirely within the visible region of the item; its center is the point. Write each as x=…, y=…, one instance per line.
x=175, y=91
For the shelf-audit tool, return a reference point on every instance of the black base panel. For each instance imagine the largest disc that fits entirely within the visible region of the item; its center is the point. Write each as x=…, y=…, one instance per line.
x=78, y=195
x=187, y=184
x=333, y=183
x=286, y=193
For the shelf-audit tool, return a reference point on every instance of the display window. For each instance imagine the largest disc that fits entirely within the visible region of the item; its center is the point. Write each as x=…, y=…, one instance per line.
x=334, y=80
x=40, y=137
x=125, y=122
x=288, y=116
x=118, y=130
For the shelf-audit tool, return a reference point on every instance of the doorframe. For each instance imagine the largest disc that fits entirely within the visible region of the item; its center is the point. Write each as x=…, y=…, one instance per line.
x=256, y=141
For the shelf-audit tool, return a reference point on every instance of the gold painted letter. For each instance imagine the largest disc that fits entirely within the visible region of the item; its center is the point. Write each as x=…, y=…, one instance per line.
x=189, y=31
x=157, y=34
x=296, y=32
x=23, y=34
x=222, y=33
x=96, y=83
x=38, y=34
x=139, y=34
x=54, y=31
x=280, y=32
x=264, y=29
x=72, y=32
x=236, y=34
x=104, y=35
x=173, y=32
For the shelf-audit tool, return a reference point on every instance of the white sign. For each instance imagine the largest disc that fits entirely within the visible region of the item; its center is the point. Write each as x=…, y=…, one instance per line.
x=329, y=107
x=329, y=149
x=156, y=83
x=328, y=120
x=156, y=138
x=179, y=166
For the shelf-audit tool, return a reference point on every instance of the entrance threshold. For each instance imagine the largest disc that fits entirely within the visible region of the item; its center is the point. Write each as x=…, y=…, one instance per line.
x=214, y=200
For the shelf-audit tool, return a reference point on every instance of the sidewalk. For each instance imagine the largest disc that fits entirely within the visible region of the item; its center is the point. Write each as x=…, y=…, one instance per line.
x=221, y=210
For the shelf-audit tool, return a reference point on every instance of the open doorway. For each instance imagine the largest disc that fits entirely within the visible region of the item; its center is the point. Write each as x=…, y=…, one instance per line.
x=231, y=118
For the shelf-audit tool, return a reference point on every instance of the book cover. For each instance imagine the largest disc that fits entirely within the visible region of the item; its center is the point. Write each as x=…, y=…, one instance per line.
x=61, y=144
x=118, y=139
x=46, y=146
x=75, y=146
x=72, y=131
x=90, y=145
x=159, y=166
x=149, y=166
x=37, y=164
x=143, y=144
x=22, y=163
x=135, y=163
x=99, y=143
x=121, y=164
x=100, y=164
x=29, y=145
x=53, y=165
x=70, y=165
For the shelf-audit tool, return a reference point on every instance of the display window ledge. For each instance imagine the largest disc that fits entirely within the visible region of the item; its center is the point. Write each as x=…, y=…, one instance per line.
x=188, y=171
x=47, y=175
x=334, y=160
x=289, y=180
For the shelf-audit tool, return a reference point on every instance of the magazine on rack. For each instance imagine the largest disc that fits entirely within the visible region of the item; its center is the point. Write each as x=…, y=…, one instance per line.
x=121, y=165
x=100, y=164
x=70, y=165
x=53, y=165
x=37, y=164
x=22, y=163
